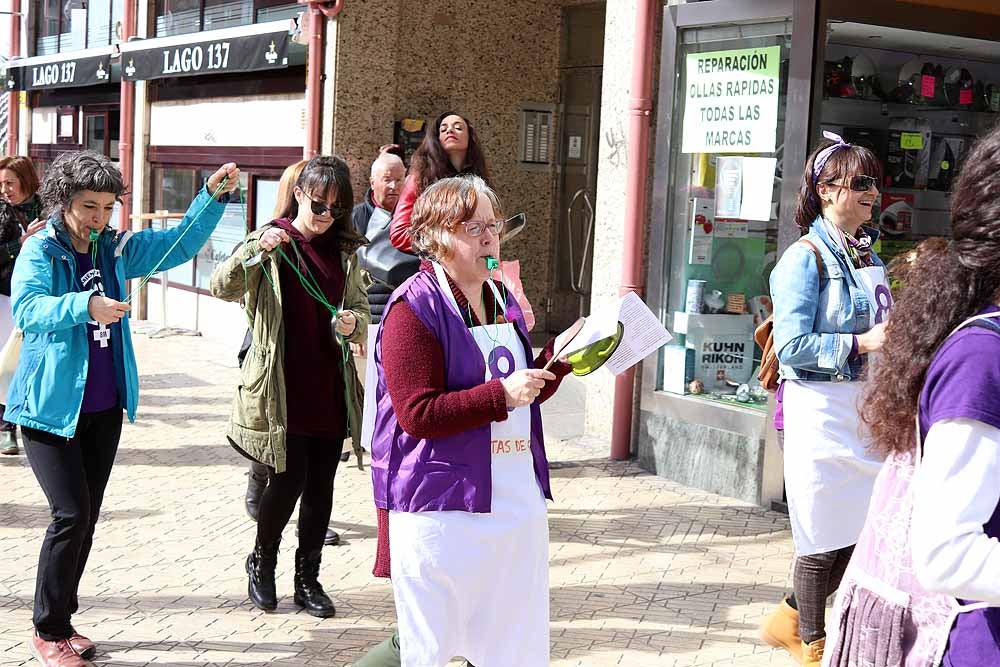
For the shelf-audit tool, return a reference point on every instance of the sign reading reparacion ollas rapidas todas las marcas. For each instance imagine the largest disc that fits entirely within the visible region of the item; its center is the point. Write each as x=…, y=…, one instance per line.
x=731, y=101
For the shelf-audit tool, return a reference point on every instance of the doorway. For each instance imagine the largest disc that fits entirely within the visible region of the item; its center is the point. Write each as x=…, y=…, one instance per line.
x=581, y=63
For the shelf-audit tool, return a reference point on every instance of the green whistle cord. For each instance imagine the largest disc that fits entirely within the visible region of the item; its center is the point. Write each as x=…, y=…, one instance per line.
x=142, y=283
x=312, y=288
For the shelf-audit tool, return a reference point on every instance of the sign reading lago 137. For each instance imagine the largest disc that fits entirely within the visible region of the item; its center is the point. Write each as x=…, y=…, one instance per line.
x=239, y=53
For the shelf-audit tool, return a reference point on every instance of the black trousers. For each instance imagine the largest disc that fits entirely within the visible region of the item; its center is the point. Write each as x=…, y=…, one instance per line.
x=73, y=473
x=310, y=466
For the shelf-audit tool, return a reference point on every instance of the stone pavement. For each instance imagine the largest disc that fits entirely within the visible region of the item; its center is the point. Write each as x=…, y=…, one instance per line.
x=644, y=571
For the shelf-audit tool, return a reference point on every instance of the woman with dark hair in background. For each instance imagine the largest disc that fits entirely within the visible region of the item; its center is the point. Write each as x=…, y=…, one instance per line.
x=77, y=370
x=285, y=206
x=941, y=365
x=450, y=148
x=20, y=210
x=299, y=396
x=831, y=300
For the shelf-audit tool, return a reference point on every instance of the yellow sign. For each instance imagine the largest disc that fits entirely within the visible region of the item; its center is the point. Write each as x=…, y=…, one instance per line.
x=911, y=141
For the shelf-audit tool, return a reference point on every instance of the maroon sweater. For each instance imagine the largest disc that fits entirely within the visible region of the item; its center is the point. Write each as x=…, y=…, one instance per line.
x=314, y=369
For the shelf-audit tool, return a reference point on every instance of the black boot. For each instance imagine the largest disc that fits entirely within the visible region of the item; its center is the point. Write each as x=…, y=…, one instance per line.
x=308, y=592
x=260, y=566
x=256, y=483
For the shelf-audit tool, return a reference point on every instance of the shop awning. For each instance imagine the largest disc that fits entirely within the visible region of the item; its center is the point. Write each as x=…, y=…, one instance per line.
x=88, y=67
x=242, y=49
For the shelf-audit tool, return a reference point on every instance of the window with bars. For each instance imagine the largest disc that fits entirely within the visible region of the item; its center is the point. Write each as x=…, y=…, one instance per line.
x=178, y=17
x=75, y=24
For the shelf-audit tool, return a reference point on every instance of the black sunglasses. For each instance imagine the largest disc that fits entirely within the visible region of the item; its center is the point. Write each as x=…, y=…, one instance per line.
x=320, y=208
x=859, y=183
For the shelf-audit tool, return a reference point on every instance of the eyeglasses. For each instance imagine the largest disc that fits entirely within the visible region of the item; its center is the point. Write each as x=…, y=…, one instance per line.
x=475, y=228
x=320, y=208
x=859, y=183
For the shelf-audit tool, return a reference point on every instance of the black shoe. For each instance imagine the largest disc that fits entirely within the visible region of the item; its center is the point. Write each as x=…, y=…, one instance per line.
x=332, y=538
x=308, y=593
x=256, y=483
x=260, y=566
x=345, y=455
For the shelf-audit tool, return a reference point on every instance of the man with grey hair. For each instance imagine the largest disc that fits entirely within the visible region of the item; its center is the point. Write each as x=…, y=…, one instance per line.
x=386, y=266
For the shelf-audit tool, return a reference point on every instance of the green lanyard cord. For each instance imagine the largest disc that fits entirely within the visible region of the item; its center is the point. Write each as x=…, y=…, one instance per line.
x=312, y=288
x=145, y=279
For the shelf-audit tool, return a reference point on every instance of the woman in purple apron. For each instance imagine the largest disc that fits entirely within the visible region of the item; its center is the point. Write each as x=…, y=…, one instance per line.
x=923, y=586
x=458, y=458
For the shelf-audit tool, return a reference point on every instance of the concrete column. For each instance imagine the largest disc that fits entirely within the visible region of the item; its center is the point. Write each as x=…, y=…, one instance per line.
x=619, y=47
x=610, y=206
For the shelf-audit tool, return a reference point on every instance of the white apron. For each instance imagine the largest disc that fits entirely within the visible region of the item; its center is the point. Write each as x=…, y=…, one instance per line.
x=472, y=585
x=6, y=318
x=829, y=473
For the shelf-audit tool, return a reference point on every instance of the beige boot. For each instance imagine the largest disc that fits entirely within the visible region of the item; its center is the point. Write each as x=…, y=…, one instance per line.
x=781, y=630
x=812, y=654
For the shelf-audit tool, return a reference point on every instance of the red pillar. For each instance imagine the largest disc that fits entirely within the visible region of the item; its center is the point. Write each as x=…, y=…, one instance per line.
x=640, y=107
x=127, y=122
x=13, y=108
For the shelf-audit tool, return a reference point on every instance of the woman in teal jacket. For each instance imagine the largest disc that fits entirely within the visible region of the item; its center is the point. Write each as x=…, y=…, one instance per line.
x=77, y=368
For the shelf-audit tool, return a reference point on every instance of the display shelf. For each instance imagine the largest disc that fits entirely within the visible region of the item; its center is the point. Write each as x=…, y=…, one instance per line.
x=875, y=114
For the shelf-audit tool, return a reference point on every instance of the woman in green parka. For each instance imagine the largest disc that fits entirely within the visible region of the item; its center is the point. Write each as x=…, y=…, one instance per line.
x=298, y=396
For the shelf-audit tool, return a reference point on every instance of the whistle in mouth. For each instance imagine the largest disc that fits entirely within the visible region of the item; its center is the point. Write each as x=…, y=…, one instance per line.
x=94, y=235
x=492, y=263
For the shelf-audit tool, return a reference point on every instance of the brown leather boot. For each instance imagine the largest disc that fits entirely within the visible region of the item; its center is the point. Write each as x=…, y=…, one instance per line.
x=82, y=645
x=812, y=653
x=58, y=653
x=781, y=630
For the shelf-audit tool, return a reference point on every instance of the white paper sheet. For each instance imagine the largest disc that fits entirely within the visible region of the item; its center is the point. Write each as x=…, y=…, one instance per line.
x=643, y=332
x=758, y=187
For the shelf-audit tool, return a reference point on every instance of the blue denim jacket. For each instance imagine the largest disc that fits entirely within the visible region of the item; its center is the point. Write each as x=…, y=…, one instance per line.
x=816, y=317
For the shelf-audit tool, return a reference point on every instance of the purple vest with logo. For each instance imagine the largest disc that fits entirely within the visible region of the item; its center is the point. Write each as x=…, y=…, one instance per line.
x=451, y=473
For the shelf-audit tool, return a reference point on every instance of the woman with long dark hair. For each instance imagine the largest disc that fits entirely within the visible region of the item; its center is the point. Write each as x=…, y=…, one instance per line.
x=831, y=299
x=935, y=393
x=20, y=217
x=450, y=148
x=298, y=396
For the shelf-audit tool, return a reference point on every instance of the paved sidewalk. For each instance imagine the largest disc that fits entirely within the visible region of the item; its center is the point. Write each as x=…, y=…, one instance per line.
x=644, y=571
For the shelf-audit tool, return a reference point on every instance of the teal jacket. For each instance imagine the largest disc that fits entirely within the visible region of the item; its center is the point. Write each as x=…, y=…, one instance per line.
x=46, y=392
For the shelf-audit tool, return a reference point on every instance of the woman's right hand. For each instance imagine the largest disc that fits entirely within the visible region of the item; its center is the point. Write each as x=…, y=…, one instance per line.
x=523, y=387
x=106, y=311
x=872, y=340
x=272, y=238
x=35, y=227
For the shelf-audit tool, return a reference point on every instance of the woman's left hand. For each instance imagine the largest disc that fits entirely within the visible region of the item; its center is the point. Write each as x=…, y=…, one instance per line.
x=346, y=323
x=215, y=180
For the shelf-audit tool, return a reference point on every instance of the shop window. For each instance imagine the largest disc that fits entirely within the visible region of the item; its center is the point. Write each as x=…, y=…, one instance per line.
x=173, y=189
x=100, y=131
x=177, y=17
x=919, y=101
x=75, y=24
x=730, y=116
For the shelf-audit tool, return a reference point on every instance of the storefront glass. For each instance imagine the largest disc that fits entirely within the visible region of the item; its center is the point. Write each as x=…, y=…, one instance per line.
x=173, y=191
x=918, y=100
x=727, y=170
x=179, y=17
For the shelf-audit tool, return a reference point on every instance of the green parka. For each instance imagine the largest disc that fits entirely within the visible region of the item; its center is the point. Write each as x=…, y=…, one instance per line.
x=257, y=426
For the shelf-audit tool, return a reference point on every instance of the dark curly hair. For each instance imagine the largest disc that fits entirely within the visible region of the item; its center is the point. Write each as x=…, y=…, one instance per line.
x=72, y=173
x=945, y=283
x=430, y=163
x=843, y=165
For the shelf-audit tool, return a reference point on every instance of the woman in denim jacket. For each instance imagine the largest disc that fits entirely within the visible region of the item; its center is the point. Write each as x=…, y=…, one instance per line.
x=828, y=319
